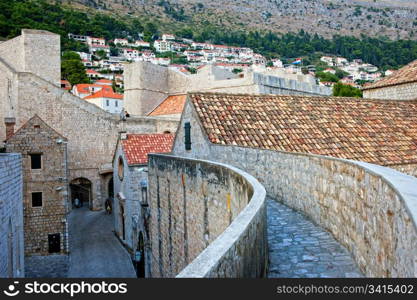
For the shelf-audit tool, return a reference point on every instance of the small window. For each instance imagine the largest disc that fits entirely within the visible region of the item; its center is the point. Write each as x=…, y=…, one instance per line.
x=107, y=102
x=35, y=161
x=116, y=103
x=36, y=199
x=187, y=135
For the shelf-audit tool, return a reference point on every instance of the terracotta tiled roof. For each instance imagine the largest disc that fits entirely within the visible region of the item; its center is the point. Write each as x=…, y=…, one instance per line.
x=84, y=88
x=170, y=106
x=103, y=81
x=90, y=71
x=137, y=146
x=404, y=75
x=375, y=131
x=105, y=93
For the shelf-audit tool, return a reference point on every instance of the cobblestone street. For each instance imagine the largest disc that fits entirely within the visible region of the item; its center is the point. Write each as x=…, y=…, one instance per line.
x=52, y=266
x=94, y=249
x=298, y=248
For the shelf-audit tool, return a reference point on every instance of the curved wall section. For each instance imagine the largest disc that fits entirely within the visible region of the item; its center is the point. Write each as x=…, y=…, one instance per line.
x=207, y=219
x=370, y=209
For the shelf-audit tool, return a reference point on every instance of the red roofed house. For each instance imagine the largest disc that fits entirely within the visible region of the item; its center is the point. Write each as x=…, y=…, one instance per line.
x=104, y=82
x=92, y=73
x=130, y=204
x=107, y=100
x=83, y=90
x=171, y=107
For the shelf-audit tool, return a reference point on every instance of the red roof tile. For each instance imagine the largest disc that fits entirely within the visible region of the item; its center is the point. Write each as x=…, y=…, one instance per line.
x=376, y=131
x=137, y=146
x=105, y=93
x=83, y=88
x=406, y=74
x=170, y=106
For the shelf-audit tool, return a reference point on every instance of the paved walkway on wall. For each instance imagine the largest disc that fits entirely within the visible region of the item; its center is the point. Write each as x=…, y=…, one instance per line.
x=94, y=249
x=298, y=248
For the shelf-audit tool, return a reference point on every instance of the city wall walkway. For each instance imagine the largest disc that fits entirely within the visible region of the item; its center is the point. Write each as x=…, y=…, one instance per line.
x=299, y=248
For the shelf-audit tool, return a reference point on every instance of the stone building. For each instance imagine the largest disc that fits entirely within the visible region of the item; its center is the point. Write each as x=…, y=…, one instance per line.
x=381, y=132
x=147, y=85
x=400, y=85
x=30, y=84
x=45, y=186
x=130, y=205
x=323, y=156
x=11, y=216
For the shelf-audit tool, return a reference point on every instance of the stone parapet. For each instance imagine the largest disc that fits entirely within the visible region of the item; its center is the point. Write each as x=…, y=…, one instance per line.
x=207, y=219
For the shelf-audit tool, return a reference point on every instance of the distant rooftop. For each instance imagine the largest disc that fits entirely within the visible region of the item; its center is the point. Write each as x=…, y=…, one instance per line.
x=406, y=74
x=170, y=106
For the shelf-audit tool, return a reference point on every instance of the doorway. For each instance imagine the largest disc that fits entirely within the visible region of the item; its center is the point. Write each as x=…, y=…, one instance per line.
x=140, y=259
x=81, y=190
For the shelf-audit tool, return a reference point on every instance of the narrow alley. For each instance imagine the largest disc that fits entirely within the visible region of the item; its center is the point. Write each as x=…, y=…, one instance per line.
x=94, y=249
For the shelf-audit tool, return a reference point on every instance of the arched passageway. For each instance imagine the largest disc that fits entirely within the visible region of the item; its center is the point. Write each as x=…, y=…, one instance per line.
x=110, y=189
x=81, y=189
x=140, y=257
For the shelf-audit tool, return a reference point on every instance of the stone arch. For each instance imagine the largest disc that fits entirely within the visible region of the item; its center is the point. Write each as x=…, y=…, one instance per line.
x=81, y=188
x=110, y=188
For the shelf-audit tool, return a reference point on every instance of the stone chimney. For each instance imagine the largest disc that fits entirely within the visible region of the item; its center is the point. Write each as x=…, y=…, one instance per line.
x=123, y=135
x=9, y=122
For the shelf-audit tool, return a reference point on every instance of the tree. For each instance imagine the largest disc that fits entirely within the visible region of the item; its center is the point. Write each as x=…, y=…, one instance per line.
x=327, y=77
x=72, y=68
x=343, y=90
x=101, y=54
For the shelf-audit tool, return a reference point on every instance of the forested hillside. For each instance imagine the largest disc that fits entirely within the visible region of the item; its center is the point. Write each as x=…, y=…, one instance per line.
x=15, y=15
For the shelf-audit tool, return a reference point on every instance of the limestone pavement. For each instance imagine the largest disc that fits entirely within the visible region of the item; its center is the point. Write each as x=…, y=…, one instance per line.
x=94, y=249
x=298, y=248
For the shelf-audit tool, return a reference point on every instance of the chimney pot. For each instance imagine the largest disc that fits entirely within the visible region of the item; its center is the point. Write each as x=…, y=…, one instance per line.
x=123, y=135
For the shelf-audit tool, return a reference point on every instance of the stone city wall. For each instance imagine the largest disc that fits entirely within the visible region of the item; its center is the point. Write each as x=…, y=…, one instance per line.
x=206, y=217
x=369, y=209
x=147, y=85
x=410, y=169
x=11, y=216
x=406, y=91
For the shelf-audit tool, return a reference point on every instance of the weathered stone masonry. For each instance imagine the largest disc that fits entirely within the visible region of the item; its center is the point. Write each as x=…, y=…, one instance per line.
x=207, y=217
x=11, y=216
x=369, y=209
x=51, y=179
x=29, y=85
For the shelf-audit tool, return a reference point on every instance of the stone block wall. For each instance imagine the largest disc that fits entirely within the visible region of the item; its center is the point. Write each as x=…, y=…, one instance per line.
x=35, y=137
x=92, y=133
x=410, y=169
x=406, y=91
x=11, y=216
x=369, y=209
x=207, y=217
x=146, y=85
x=129, y=186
